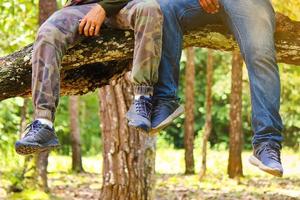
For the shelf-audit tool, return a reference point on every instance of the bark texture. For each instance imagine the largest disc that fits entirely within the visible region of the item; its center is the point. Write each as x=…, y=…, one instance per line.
x=93, y=62
x=208, y=113
x=46, y=8
x=41, y=167
x=75, y=134
x=128, y=155
x=23, y=117
x=235, y=168
x=189, y=111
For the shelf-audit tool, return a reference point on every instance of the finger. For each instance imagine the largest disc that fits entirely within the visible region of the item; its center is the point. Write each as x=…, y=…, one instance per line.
x=211, y=6
x=87, y=28
x=216, y=5
x=97, y=30
x=216, y=2
x=92, y=30
x=81, y=25
x=204, y=5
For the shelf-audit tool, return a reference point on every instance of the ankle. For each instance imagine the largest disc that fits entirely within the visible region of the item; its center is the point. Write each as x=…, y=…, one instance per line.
x=45, y=122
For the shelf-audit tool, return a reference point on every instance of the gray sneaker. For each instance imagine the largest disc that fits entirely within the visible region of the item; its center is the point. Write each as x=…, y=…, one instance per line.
x=165, y=111
x=139, y=114
x=266, y=157
x=38, y=137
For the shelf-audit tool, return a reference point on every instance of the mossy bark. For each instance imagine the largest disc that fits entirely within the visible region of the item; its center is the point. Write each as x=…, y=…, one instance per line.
x=95, y=61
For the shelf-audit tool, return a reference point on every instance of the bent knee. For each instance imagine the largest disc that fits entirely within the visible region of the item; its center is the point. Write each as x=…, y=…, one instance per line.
x=48, y=33
x=149, y=8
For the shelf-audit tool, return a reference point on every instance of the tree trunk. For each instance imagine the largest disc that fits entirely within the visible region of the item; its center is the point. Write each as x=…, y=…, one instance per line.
x=128, y=155
x=75, y=134
x=235, y=168
x=208, y=115
x=95, y=61
x=23, y=117
x=41, y=167
x=46, y=8
x=189, y=111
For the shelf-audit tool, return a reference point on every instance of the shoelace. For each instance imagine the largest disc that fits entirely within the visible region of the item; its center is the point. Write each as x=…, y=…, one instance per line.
x=143, y=106
x=33, y=128
x=272, y=151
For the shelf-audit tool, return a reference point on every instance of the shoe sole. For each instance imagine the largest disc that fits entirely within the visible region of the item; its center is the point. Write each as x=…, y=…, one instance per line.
x=129, y=116
x=254, y=161
x=167, y=121
x=27, y=149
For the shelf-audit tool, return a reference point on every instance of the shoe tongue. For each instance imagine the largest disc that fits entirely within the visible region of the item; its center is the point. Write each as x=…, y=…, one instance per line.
x=36, y=124
x=147, y=98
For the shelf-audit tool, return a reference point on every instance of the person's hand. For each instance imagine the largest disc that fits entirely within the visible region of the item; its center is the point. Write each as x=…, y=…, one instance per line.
x=210, y=6
x=92, y=21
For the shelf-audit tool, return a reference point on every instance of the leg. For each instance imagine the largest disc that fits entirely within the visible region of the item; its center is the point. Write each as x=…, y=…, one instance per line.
x=145, y=18
x=179, y=16
x=57, y=34
x=255, y=35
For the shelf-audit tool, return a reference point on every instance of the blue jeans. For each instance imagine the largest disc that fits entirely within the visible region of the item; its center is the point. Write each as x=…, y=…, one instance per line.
x=253, y=24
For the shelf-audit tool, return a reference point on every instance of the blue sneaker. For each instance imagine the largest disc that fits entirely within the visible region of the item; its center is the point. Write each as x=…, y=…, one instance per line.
x=266, y=157
x=164, y=113
x=38, y=137
x=139, y=114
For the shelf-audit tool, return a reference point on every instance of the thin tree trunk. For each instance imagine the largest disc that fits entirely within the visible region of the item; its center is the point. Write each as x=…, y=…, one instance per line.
x=23, y=117
x=208, y=115
x=46, y=8
x=235, y=168
x=128, y=156
x=189, y=112
x=41, y=167
x=75, y=134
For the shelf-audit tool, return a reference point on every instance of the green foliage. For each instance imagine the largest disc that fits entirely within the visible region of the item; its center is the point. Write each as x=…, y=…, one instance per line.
x=89, y=125
x=9, y=124
x=18, y=24
x=170, y=181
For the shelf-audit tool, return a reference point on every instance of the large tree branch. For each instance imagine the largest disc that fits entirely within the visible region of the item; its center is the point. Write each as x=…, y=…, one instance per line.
x=94, y=62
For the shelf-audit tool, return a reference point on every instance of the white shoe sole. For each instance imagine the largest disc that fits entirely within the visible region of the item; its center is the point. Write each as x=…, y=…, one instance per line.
x=167, y=121
x=254, y=161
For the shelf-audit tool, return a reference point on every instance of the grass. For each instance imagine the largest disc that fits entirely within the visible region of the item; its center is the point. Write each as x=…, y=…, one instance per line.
x=170, y=183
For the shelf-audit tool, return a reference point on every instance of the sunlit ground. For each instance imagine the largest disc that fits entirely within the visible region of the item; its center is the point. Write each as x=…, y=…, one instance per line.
x=171, y=183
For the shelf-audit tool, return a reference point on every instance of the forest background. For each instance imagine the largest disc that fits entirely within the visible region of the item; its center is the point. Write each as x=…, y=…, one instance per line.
x=18, y=26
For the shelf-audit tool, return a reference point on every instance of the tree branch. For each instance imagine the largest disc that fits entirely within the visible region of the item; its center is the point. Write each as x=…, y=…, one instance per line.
x=95, y=61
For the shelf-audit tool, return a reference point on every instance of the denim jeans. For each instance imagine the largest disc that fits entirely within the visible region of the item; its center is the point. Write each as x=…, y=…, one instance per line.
x=252, y=22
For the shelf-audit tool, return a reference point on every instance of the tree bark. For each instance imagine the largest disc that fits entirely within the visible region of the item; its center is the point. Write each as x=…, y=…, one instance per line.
x=41, y=167
x=128, y=155
x=23, y=117
x=189, y=111
x=75, y=134
x=208, y=115
x=235, y=168
x=46, y=8
x=95, y=61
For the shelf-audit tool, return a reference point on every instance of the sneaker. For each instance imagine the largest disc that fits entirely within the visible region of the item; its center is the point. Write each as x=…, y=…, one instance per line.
x=139, y=114
x=266, y=157
x=38, y=137
x=164, y=113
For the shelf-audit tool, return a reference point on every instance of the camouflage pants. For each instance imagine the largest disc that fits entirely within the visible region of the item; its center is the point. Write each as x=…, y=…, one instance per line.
x=60, y=32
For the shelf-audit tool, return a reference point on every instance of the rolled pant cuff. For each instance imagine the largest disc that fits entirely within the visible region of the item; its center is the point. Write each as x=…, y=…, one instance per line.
x=44, y=114
x=143, y=90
